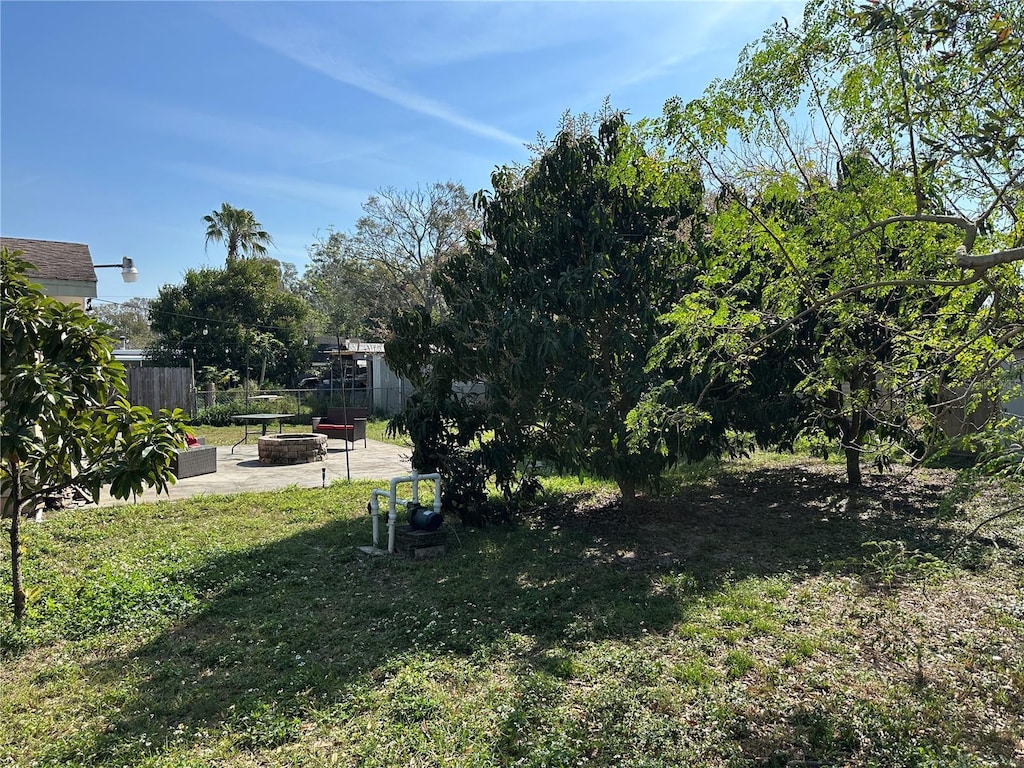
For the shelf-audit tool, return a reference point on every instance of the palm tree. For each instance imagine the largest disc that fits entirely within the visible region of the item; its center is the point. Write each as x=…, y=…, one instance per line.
x=239, y=228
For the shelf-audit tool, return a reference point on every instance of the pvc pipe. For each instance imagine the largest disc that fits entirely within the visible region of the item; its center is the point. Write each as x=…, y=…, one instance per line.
x=394, y=501
x=392, y=520
x=375, y=512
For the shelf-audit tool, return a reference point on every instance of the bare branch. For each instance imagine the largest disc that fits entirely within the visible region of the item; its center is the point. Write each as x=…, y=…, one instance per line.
x=990, y=519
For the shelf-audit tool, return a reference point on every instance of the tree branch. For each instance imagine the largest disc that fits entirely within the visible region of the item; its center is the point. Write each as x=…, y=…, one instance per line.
x=989, y=260
x=969, y=227
x=990, y=519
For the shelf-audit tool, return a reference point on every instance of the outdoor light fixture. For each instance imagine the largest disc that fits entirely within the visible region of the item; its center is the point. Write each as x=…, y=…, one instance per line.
x=128, y=271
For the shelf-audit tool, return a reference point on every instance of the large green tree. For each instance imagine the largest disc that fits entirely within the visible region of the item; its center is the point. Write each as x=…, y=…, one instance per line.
x=238, y=229
x=346, y=293
x=238, y=317
x=875, y=160
x=65, y=420
x=129, y=319
x=552, y=310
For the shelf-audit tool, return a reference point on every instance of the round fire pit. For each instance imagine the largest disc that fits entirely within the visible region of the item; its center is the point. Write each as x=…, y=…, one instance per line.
x=292, y=449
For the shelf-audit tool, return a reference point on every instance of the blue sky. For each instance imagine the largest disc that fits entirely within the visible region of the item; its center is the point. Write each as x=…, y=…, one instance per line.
x=123, y=124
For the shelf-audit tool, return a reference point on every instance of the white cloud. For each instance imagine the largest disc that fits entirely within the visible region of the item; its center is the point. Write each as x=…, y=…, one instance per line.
x=438, y=34
x=263, y=137
x=277, y=185
x=308, y=45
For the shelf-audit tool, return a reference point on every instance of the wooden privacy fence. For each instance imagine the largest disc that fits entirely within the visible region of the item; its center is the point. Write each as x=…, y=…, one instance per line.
x=158, y=388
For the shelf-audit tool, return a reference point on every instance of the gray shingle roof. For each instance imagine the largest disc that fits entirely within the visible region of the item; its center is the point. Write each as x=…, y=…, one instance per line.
x=54, y=260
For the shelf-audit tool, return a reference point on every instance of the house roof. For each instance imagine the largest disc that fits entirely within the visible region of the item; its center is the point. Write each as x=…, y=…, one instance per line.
x=63, y=269
x=54, y=260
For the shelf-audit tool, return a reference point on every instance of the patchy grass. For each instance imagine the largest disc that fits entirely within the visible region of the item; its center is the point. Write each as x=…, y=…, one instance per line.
x=760, y=616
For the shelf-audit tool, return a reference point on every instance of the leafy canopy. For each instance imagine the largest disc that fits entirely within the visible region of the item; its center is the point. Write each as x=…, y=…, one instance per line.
x=551, y=312
x=870, y=162
x=66, y=422
x=238, y=229
x=386, y=264
x=235, y=317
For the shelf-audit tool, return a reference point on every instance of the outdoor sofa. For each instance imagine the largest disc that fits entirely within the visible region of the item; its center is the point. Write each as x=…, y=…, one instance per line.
x=200, y=459
x=344, y=424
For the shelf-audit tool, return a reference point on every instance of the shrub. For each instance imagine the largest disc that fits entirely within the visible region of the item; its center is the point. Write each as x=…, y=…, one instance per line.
x=218, y=415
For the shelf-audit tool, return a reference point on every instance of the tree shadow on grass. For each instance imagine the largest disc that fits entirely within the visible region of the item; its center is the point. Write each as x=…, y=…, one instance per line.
x=843, y=730
x=792, y=519
x=309, y=621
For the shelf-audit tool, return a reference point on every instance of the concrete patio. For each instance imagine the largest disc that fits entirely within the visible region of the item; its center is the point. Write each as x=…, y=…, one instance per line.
x=242, y=471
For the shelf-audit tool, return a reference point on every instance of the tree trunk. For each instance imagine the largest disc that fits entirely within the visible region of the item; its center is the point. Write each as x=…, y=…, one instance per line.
x=14, y=504
x=853, y=477
x=853, y=430
x=853, y=443
x=627, y=489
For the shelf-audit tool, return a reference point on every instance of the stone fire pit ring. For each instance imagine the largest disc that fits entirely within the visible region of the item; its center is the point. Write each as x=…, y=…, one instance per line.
x=298, y=448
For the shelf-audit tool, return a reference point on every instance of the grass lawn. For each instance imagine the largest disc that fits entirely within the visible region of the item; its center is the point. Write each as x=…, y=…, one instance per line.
x=375, y=430
x=743, y=621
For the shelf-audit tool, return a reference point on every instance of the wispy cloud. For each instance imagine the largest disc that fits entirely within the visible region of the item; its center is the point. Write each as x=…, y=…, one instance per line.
x=437, y=34
x=15, y=183
x=683, y=44
x=277, y=185
x=258, y=136
x=674, y=41
x=305, y=45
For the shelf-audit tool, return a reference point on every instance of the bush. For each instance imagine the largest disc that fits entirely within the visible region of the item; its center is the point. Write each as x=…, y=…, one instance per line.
x=218, y=415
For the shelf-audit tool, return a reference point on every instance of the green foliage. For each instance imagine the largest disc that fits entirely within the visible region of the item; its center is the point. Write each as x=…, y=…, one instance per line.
x=114, y=599
x=552, y=310
x=14, y=640
x=344, y=291
x=1002, y=453
x=231, y=403
x=862, y=157
x=356, y=280
x=219, y=414
x=890, y=563
x=211, y=374
x=738, y=662
x=264, y=727
x=240, y=317
x=65, y=420
x=239, y=230
x=129, y=319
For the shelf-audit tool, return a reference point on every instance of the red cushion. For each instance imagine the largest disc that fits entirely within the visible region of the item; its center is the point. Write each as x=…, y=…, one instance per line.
x=191, y=441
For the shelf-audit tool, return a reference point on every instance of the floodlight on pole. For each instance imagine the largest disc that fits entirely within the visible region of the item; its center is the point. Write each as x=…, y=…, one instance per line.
x=127, y=266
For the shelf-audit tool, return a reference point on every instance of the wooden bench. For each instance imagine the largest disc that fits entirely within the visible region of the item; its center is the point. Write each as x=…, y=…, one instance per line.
x=344, y=424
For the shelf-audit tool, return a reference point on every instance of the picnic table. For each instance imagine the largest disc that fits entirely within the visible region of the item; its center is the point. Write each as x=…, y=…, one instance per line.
x=263, y=419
